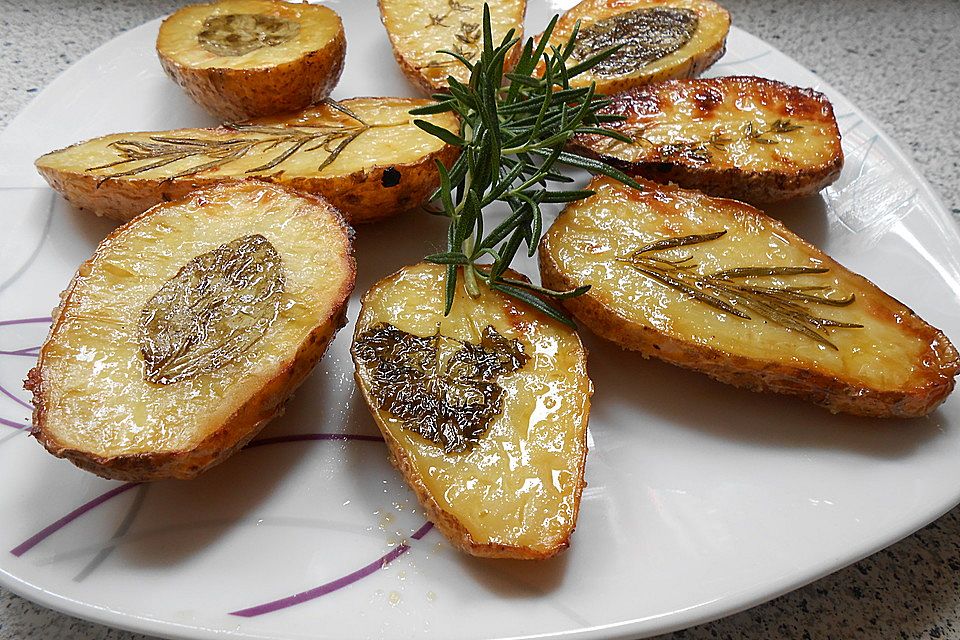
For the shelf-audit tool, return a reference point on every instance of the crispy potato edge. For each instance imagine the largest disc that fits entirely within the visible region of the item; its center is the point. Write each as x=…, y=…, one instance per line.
x=239, y=94
x=827, y=391
x=244, y=424
x=448, y=524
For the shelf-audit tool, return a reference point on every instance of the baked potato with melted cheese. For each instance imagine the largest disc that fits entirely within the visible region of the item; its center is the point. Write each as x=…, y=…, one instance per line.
x=188, y=328
x=364, y=155
x=241, y=59
x=484, y=411
x=716, y=286
x=747, y=138
x=418, y=29
x=658, y=39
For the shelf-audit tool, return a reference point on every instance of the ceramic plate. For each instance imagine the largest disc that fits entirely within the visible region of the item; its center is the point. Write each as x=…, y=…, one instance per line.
x=701, y=500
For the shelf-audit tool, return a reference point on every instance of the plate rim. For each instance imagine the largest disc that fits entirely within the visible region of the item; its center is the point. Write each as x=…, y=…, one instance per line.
x=629, y=629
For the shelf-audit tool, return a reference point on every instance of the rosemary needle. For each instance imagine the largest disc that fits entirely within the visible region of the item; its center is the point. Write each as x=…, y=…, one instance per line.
x=514, y=126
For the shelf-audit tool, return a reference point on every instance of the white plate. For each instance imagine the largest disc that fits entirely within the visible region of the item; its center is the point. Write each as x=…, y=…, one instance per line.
x=702, y=499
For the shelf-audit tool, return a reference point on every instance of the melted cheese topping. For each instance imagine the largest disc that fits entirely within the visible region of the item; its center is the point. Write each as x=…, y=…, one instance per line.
x=96, y=398
x=893, y=349
x=177, y=39
x=725, y=123
x=520, y=485
x=392, y=137
x=420, y=28
x=713, y=25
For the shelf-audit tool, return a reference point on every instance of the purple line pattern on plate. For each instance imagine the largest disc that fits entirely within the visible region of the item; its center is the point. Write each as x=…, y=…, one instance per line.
x=50, y=529
x=268, y=607
x=4, y=323
x=32, y=352
x=11, y=423
x=333, y=585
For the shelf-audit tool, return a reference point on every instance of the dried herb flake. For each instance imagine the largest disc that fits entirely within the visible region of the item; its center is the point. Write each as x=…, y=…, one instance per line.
x=644, y=35
x=729, y=291
x=235, y=34
x=212, y=311
x=439, y=387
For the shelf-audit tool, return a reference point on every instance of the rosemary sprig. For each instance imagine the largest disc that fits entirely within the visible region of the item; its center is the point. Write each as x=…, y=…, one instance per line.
x=161, y=150
x=513, y=128
x=726, y=290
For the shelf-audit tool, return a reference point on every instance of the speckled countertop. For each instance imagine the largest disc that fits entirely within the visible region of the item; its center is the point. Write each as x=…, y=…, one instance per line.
x=899, y=61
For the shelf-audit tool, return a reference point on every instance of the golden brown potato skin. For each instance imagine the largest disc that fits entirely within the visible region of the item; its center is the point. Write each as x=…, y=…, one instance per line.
x=760, y=179
x=449, y=524
x=833, y=392
x=244, y=424
x=374, y=192
x=262, y=407
x=238, y=94
x=359, y=195
x=708, y=45
x=413, y=44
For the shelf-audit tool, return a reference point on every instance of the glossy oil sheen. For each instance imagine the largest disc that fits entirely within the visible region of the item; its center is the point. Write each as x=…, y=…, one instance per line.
x=391, y=134
x=179, y=37
x=891, y=350
x=421, y=28
x=711, y=28
x=679, y=121
x=97, y=397
x=519, y=485
x=702, y=499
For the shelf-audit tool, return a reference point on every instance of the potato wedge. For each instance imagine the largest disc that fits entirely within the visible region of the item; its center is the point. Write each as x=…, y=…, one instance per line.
x=717, y=286
x=365, y=156
x=659, y=40
x=747, y=138
x=241, y=59
x=418, y=29
x=188, y=328
x=484, y=411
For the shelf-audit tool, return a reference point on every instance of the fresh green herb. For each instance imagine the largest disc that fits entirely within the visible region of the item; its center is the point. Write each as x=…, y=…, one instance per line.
x=725, y=290
x=513, y=128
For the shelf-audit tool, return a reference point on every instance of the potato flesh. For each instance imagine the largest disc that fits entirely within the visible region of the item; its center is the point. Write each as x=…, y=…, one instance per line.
x=392, y=138
x=177, y=39
x=690, y=112
x=712, y=28
x=411, y=31
x=520, y=484
x=887, y=353
x=97, y=399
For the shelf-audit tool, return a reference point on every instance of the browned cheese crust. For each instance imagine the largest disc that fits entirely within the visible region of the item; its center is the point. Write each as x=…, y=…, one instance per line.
x=246, y=421
x=928, y=387
x=238, y=93
x=708, y=146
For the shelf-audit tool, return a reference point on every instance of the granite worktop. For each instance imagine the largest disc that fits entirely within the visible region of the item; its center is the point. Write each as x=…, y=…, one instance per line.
x=898, y=61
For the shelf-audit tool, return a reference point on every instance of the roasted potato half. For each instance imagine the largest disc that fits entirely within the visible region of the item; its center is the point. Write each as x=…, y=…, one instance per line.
x=365, y=156
x=484, y=411
x=658, y=39
x=242, y=59
x=418, y=29
x=746, y=138
x=188, y=328
x=717, y=286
